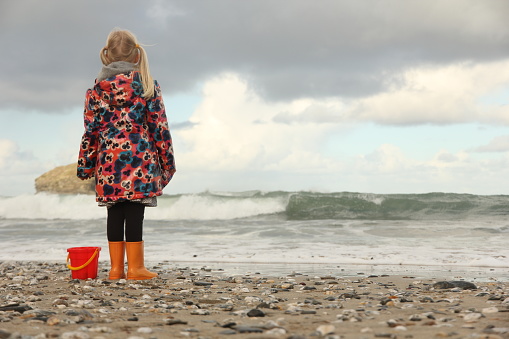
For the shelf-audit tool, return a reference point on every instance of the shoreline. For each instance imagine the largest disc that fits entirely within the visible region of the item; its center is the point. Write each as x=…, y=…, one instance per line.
x=40, y=300
x=477, y=273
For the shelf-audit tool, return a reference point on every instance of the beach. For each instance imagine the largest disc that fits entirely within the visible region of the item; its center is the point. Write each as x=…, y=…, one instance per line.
x=41, y=300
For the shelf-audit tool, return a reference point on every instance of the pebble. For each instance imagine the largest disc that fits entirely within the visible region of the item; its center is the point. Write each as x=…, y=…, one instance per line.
x=145, y=330
x=325, y=329
x=248, y=329
x=195, y=303
x=175, y=322
x=488, y=310
x=255, y=313
x=200, y=312
x=461, y=285
x=75, y=335
x=472, y=317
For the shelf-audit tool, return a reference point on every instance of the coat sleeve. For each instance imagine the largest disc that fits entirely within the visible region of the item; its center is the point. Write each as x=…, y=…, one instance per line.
x=87, y=158
x=160, y=133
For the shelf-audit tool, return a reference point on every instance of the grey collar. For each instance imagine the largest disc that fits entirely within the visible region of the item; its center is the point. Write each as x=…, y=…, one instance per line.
x=115, y=68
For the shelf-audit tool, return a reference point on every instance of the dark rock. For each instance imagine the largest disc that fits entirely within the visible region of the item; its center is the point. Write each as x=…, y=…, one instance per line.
x=106, y=303
x=16, y=308
x=312, y=302
x=229, y=325
x=307, y=312
x=40, y=313
x=4, y=334
x=464, y=285
x=228, y=332
x=263, y=305
x=81, y=313
x=248, y=329
x=175, y=322
x=481, y=294
x=202, y=283
x=349, y=296
x=255, y=313
x=495, y=297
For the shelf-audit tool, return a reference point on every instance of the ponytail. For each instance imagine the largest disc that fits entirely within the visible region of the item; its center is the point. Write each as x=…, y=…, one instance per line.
x=146, y=78
x=122, y=45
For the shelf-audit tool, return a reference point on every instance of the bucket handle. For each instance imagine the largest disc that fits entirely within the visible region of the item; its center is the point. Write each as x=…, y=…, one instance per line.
x=72, y=268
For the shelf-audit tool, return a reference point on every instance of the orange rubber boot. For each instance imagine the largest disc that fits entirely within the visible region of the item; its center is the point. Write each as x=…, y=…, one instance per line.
x=117, y=250
x=136, y=262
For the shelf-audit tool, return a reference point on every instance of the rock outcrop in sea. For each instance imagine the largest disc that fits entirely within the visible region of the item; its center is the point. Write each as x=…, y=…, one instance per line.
x=63, y=179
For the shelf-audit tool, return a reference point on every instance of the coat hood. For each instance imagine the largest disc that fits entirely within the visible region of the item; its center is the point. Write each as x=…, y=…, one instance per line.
x=115, y=68
x=118, y=83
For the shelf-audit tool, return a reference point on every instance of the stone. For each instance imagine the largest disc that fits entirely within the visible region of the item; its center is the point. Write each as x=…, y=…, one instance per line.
x=175, y=322
x=464, y=285
x=472, y=317
x=325, y=329
x=255, y=313
x=248, y=329
x=16, y=308
x=276, y=332
x=228, y=332
x=63, y=179
x=52, y=321
x=200, y=312
x=75, y=335
x=4, y=334
x=489, y=310
x=308, y=312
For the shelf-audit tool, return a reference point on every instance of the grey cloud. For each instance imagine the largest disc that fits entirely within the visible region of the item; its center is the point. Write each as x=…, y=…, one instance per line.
x=284, y=49
x=447, y=157
x=498, y=144
x=183, y=125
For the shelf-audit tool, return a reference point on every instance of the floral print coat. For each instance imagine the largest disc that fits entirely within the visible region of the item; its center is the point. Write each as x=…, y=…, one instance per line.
x=127, y=144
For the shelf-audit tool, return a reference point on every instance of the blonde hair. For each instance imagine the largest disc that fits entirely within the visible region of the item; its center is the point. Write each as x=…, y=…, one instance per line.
x=122, y=45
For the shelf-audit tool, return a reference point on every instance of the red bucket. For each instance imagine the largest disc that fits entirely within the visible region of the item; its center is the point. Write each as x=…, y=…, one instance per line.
x=84, y=262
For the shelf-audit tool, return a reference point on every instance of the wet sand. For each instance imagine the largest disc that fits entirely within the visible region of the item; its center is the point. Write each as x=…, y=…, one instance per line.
x=41, y=300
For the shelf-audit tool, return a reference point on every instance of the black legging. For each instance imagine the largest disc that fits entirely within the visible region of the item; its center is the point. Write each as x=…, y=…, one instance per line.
x=129, y=214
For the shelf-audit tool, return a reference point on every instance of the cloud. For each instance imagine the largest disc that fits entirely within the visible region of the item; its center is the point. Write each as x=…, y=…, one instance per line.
x=386, y=158
x=498, y=144
x=18, y=168
x=237, y=142
x=163, y=11
x=440, y=95
x=285, y=51
x=7, y=150
x=233, y=129
x=14, y=161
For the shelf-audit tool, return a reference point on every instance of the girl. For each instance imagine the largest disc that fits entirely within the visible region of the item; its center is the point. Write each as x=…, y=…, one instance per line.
x=127, y=147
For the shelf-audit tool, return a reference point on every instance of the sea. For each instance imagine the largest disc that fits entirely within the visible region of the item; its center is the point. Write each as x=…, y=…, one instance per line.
x=343, y=233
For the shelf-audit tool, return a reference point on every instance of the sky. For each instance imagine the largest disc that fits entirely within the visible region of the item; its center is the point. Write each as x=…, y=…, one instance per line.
x=387, y=96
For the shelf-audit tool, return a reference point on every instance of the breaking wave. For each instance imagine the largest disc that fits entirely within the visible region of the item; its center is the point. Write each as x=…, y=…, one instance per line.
x=280, y=204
